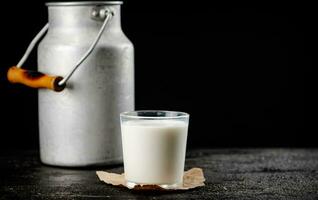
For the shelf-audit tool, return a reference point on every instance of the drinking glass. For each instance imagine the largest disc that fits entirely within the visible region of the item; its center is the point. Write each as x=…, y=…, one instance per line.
x=154, y=147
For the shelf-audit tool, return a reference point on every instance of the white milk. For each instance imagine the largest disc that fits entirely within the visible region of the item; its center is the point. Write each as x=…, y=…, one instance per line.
x=154, y=151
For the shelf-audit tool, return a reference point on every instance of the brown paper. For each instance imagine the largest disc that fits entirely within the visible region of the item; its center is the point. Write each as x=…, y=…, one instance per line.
x=191, y=179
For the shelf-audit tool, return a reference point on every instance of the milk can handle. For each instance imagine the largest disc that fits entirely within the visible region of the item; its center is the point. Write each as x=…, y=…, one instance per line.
x=57, y=83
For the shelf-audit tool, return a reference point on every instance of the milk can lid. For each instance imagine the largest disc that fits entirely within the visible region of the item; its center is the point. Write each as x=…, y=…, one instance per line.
x=83, y=3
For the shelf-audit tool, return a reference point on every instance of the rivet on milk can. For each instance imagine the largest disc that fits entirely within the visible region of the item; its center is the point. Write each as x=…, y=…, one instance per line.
x=87, y=80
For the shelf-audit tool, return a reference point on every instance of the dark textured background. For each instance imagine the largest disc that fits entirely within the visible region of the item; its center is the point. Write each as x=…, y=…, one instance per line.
x=260, y=174
x=243, y=72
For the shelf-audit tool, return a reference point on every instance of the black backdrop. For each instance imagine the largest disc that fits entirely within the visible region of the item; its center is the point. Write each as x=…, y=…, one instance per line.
x=243, y=72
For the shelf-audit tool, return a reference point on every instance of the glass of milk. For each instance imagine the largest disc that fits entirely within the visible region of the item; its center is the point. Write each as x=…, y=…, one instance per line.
x=154, y=147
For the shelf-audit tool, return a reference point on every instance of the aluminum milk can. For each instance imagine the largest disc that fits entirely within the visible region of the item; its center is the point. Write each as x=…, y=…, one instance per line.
x=85, y=46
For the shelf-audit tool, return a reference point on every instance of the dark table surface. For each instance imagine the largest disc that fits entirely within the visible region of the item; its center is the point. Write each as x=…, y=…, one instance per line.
x=229, y=173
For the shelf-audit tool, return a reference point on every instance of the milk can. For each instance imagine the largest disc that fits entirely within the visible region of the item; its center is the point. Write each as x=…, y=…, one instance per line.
x=87, y=79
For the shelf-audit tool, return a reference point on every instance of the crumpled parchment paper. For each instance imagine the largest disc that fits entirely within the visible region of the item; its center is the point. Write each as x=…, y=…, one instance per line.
x=191, y=179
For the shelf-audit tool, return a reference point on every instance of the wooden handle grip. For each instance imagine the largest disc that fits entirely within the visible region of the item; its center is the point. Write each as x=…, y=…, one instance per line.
x=34, y=79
